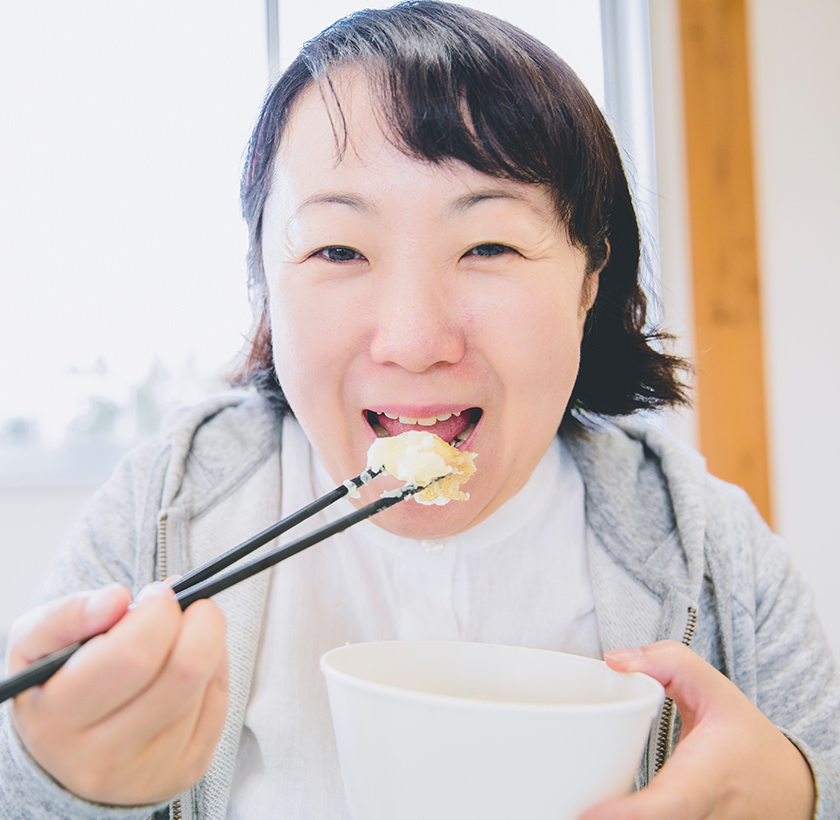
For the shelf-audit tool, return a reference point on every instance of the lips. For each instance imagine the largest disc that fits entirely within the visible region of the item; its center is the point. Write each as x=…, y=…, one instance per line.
x=454, y=428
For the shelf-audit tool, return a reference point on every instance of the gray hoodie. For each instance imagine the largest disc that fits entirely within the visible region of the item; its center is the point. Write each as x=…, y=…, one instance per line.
x=673, y=553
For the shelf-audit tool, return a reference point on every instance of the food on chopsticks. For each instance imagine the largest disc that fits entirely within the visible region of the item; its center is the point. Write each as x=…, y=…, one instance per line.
x=419, y=459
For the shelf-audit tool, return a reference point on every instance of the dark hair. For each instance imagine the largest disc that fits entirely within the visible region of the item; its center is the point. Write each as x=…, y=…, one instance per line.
x=459, y=84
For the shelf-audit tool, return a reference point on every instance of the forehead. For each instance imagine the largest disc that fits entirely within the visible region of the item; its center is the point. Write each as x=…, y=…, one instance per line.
x=337, y=138
x=333, y=129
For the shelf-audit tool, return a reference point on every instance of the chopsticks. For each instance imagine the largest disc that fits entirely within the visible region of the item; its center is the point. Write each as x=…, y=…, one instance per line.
x=224, y=560
x=203, y=582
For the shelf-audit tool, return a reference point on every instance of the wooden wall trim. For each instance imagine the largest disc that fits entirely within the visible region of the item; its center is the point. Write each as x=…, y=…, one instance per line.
x=730, y=365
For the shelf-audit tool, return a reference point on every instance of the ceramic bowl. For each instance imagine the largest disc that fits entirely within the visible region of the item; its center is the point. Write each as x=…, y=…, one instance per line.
x=454, y=730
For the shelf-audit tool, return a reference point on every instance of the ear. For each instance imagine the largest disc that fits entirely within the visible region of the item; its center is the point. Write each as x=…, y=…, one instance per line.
x=262, y=352
x=589, y=292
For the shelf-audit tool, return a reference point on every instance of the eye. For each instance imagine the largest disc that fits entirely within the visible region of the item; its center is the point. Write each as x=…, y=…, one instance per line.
x=338, y=253
x=490, y=249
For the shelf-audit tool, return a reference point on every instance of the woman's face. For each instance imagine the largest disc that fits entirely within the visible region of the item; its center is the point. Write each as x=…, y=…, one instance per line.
x=400, y=288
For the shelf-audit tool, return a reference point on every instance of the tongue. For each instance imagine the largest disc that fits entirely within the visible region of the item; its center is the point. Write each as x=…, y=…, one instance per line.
x=447, y=430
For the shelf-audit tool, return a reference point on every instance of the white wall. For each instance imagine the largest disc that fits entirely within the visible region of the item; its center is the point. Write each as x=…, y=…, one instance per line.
x=796, y=92
x=672, y=192
x=795, y=65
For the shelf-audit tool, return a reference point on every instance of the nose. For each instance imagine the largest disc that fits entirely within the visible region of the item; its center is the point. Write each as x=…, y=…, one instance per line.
x=417, y=324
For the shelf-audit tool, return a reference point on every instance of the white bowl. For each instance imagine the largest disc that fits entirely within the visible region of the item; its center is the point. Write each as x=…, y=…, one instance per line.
x=446, y=730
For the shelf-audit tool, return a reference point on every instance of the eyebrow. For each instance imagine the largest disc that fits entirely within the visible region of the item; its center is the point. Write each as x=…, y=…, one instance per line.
x=463, y=203
x=330, y=198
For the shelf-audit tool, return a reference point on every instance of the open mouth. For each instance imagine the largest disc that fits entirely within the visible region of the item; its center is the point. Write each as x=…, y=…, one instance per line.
x=454, y=428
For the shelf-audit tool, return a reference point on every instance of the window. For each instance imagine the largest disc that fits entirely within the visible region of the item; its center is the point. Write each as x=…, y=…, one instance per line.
x=122, y=250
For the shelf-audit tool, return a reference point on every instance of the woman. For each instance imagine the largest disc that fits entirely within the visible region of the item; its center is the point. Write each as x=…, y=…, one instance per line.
x=441, y=237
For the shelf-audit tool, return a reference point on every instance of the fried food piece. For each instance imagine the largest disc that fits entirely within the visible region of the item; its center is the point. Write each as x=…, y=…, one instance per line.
x=420, y=458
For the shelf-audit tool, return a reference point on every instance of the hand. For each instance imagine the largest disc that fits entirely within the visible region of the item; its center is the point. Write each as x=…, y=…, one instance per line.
x=134, y=715
x=730, y=762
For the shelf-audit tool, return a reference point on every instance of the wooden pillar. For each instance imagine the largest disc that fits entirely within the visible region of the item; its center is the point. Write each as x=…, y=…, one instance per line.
x=730, y=377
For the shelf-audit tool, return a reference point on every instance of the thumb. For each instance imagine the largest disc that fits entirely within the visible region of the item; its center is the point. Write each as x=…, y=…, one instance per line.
x=687, y=678
x=681, y=789
x=64, y=621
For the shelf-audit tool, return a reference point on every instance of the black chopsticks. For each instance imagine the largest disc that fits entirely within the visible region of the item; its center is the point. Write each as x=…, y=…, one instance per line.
x=203, y=582
x=224, y=560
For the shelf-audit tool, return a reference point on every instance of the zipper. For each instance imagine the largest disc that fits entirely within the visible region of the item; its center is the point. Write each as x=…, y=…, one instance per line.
x=175, y=812
x=161, y=547
x=666, y=720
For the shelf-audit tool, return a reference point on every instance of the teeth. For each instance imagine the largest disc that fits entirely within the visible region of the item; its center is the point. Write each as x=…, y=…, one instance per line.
x=390, y=415
x=428, y=422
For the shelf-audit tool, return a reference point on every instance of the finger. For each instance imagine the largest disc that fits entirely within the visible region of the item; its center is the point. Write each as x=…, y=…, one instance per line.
x=177, y=757
x=179, y=687
x=207, y=729
x=661, y=800
x=64, y=621
x=112, y=669
x=687, y=678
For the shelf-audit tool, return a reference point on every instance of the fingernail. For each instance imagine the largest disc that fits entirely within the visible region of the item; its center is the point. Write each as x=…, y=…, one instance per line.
x=624, y=655
x=156, y=590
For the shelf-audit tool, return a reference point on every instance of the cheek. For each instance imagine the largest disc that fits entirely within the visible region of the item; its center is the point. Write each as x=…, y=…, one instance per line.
x=299, y=337
x=537, y=334
x=555, y=368
x=548, y=378
x=316, y=332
